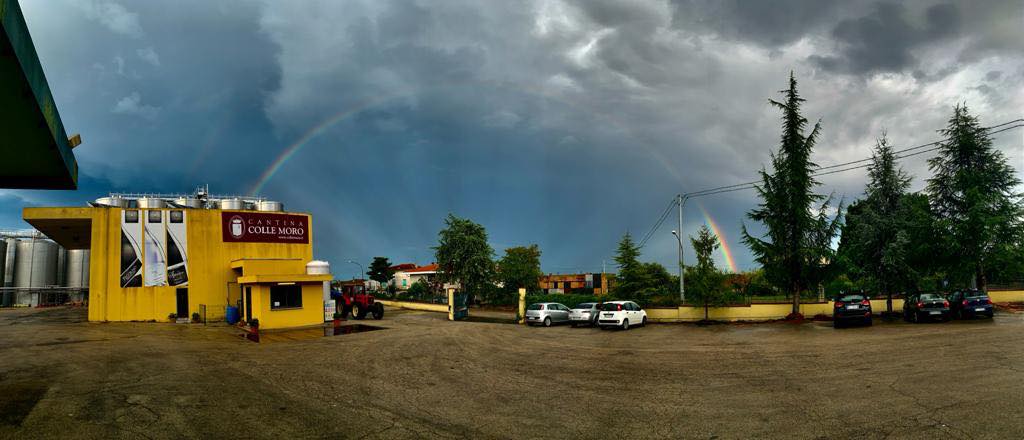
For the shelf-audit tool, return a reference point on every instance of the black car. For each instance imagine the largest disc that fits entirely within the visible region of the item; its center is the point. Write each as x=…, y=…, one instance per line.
x=925, y=306
x=970, y=304
x=851, y=308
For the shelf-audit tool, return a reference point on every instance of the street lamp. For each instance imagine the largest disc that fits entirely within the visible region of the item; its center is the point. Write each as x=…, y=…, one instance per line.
x=360, y=267
x=682, y=284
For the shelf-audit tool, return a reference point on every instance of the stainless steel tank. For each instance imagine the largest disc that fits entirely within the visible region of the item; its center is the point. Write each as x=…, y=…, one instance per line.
x=78, y=268
x=151, y=202
x=270, y=206
x=114, y=202
x=232, y=204
x=35, y=263
x=189, y=202
x=12, y=247
x=62, y=266
x=3, y=261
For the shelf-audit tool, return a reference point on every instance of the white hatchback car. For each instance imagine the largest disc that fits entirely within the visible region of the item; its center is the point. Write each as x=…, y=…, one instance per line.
x=621, y=314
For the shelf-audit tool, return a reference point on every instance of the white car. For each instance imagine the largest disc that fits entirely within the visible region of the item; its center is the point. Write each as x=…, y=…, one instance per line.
x=621, y=314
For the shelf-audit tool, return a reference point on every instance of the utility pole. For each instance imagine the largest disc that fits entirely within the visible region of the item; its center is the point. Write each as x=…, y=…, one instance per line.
x=680, y=200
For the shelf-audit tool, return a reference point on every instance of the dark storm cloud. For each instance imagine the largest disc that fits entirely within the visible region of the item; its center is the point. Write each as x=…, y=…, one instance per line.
x=558, y=123
x=885, y=40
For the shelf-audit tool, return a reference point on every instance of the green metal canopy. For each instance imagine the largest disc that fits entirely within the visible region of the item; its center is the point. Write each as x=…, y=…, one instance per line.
x=34, y=149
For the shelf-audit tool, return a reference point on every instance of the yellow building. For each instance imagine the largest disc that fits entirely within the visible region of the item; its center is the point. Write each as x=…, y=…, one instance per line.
x=148, y=263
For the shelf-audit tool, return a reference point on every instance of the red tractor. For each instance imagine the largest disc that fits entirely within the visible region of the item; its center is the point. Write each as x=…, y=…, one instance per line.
x=354, y=299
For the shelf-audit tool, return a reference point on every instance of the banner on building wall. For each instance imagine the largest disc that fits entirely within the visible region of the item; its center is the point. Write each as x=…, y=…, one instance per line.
x=155, y=273
x=177, y=249
x=261, y=227
x=131, y=248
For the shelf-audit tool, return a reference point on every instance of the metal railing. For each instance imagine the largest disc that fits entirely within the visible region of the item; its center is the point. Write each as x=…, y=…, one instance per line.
x=42, y=296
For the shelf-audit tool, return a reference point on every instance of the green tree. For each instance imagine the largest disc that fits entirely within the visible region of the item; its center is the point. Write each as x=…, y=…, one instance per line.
x=626, y=257
x=637, y=280
x=973, y=193
x=463, y=255
x=705, y=279
x=520, y=268
x=877, y=232
x=380, y=271
x=797, y=241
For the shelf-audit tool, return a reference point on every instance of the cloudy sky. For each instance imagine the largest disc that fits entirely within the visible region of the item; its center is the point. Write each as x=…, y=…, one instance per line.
x=559, y=123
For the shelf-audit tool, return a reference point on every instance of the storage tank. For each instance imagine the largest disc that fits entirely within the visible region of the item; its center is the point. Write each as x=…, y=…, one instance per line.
x=62, y=266
x=189, y=202
x=78, y=268
x=3, y=262
x=151, y=202
x=231, y=204
x=270, y=206
x=12, y=247
x=317, y=267
x=35, y=263
x=114, y=202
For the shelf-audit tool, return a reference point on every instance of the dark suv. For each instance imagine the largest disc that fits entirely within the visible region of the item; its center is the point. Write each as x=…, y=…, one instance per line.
x=970, y=304
x=925, y=306
x=851, y=308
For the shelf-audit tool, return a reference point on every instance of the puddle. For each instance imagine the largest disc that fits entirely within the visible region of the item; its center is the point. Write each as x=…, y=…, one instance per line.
x=488, y=319
x=18, y=400
x=309, y=334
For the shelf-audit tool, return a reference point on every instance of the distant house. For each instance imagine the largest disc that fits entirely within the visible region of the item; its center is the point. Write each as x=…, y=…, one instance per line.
x=567, y=283
x=404, y=279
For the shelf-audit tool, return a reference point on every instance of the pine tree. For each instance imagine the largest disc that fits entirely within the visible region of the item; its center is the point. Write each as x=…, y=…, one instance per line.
x=797, y=242
x=973, y=193
x=878, y=231
x=705, y=279
x=627, y=260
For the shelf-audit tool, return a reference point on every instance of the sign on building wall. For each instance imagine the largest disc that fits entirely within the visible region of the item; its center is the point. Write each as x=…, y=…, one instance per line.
x=260, y=227
x=131, y=249
x=156, y=249
x=177, y=249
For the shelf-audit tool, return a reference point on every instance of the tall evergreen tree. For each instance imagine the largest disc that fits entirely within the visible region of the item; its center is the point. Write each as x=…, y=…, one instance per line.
x=878, y=231
x=973, y=193
x=797, y=242
x=380, y=271
x=629, y=266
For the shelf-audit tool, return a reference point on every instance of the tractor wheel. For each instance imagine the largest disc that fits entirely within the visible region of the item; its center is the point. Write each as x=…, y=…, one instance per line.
x=378, y=311
x=358, y=312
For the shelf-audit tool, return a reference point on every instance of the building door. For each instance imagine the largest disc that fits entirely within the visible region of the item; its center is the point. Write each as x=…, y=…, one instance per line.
x=248, y=304
x=183, y=302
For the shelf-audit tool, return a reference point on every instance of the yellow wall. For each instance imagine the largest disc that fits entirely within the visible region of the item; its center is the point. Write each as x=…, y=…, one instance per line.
x=209, y=268
x=1006, y=296
x=443, y=308
x=311, y=313
x=755, y=312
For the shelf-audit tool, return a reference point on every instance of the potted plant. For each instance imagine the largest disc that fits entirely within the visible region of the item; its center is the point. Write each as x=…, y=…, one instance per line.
x=173, y=317
x=195, y=317
x=337, y=319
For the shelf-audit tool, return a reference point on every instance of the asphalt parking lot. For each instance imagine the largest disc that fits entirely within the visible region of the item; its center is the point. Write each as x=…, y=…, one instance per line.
x=425, y=377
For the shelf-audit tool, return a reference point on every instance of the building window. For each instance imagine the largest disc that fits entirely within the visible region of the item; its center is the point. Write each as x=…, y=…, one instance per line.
x=404, y=282
x=285, y=297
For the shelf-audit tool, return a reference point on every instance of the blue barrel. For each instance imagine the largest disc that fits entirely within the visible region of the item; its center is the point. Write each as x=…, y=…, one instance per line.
x=232, y=315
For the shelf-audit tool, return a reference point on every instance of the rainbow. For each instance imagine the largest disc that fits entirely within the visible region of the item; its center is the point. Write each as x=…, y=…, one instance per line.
x=723, y=245
x=288, y=152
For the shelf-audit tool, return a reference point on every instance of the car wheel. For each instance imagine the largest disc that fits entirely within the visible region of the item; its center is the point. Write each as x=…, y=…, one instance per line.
x=547, y=322
x=573, y=325
x=643, y=323
x=837, y=323
x=625, y=324
x=916, y=318
x=868, y=322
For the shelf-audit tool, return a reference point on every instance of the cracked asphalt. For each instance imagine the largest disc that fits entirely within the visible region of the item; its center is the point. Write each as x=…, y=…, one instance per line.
x=423, y=377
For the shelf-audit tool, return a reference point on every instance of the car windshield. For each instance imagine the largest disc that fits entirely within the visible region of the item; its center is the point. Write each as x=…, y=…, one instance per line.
x=535, y=307
x=584, y=306
x=930, y=296
x=851, y=298
x=610, y=307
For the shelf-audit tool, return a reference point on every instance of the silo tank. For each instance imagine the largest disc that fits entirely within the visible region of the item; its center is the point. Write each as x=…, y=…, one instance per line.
x=270, y=206
x=12, y=247
x=231, y=204
x=78, y=268
x=35, y=263
x=3, y=262
x=151, y=202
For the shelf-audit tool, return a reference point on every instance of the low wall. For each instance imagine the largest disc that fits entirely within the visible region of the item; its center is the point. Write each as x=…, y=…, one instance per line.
x=755, y=312
x=1000, y=296
x=427, y=307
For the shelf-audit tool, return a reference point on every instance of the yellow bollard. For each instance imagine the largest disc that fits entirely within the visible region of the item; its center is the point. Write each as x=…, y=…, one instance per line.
x=522, y=305
x=451, y=304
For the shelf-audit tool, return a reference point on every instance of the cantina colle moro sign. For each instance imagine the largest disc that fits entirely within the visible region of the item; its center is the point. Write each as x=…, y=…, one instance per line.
x=259, y=227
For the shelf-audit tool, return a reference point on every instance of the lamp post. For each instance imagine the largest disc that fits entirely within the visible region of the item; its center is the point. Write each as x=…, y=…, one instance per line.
x=360, y=267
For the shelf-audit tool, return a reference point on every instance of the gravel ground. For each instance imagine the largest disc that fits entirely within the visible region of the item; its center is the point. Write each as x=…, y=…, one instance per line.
x=426, y=377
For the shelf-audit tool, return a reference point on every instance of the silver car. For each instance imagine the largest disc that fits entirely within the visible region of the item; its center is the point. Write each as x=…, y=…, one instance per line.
x=584, y=313
x=546, y=314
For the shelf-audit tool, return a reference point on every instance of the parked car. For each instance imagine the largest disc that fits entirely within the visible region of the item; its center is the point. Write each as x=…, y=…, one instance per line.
x=851, y=308
x=584, y=313
x=621, y=314
x=925, y=306
x=546, y=314
x=970, y=303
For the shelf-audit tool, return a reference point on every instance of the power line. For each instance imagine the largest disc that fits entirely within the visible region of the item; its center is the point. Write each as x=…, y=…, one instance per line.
x=657, y=224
